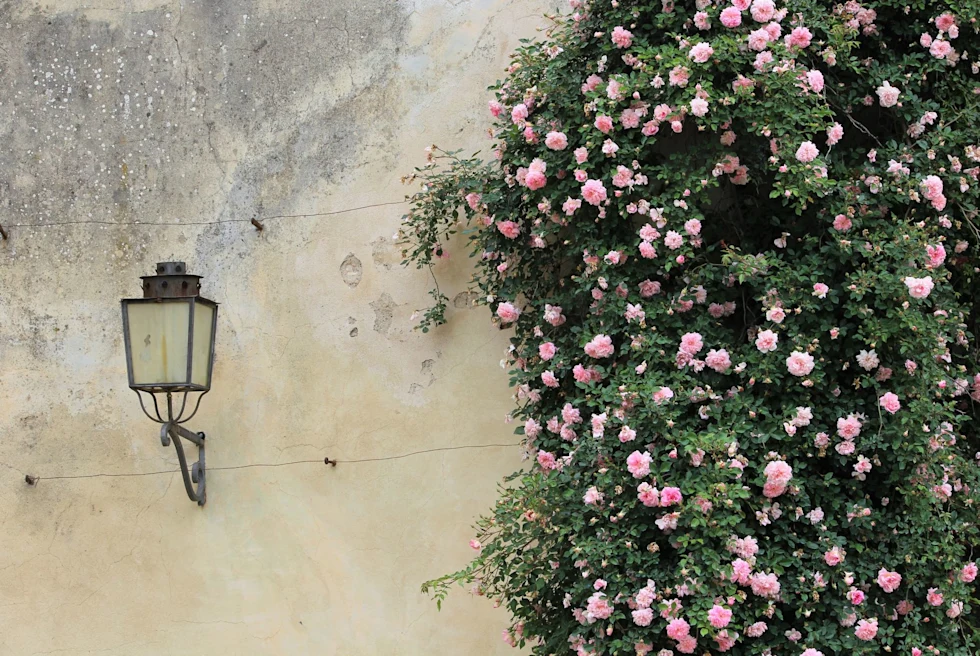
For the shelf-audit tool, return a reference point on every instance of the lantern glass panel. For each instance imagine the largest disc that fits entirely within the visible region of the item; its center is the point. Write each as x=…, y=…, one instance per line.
x=203, y=331
x=158, y=335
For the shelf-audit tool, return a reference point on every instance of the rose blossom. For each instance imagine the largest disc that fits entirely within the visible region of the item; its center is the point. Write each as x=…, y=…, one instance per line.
x=604, y=124
x=593, y=192
x=648, y=495
x=919, y=287
x=889, y=581
x=763, y=10
x=670, y=496
x=508, y=229
x=547, y=350
x=799, y=364
x=691, y=343
x=834, y=557
x=638, y=464
x=807, y=152
x=887, y=94
x=600, y=347
x=556, y=141
x=866, y=629
x=820, y=290
x=800, y=37
x=507, y=312
x=701, y=52
x=719, y=616
x=622, y=37
x=718, y=360
x=934, y=597
x=731, y=17
x=678, y=629
x=766, y=341
x=889, y=401
x=757, y=629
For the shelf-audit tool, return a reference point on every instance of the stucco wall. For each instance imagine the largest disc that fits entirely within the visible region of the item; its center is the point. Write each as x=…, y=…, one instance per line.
x=123, y=112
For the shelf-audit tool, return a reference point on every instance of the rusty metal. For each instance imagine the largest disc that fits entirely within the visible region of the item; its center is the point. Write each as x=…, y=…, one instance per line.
x=258, y=225
x=171, y=281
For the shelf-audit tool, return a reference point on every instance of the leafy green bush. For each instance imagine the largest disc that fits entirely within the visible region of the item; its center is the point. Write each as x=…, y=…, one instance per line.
x=736, y=244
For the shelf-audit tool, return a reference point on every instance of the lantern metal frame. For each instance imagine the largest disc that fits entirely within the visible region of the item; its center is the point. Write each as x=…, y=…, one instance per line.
x=173, y=285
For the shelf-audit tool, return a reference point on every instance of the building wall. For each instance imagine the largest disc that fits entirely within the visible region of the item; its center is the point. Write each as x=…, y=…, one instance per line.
x=199, y=114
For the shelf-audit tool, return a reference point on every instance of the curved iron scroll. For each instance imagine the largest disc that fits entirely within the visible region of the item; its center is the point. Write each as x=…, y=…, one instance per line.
x=172, y=430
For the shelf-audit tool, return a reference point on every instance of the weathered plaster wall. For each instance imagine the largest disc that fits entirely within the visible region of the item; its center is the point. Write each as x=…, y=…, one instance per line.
x=128, y=113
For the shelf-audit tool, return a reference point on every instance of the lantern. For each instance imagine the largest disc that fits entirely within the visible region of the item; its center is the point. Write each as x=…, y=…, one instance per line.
x=169, y=336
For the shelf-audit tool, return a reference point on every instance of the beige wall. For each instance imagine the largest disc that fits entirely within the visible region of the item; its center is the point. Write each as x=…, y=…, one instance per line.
x=258, y=108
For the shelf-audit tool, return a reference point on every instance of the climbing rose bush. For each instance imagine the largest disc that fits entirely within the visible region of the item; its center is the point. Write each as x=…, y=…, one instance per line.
x=735, y=245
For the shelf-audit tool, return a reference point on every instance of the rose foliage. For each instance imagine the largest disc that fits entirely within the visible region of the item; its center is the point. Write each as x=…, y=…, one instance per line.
x=737, y=246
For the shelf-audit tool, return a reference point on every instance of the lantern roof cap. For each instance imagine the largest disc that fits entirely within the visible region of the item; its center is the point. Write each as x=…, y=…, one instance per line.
x=171, y=281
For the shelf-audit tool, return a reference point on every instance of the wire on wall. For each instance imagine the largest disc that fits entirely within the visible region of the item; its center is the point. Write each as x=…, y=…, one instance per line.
x=256, y=221
x=34, y=480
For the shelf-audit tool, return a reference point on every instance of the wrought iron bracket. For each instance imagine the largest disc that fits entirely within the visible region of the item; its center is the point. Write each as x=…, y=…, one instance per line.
x=173, y=431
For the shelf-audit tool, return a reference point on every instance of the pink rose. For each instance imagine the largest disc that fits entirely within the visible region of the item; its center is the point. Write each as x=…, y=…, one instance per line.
x=815, y=80
x=758, y=41
x=593, y=192
x=731, y=17
x=701, y=53
x=691, y=343
x=889, y=401
x=835, y=133
x=934, y=597
x=642, y=616
x=940, y=49
x=600, y=347
x=507, y=312
x=765, y=585
x=799, y=364
x=571, y=205
x=969, y=573
x=648, y=495
x=834, y=557
x=508, y=229
x=678, y=629
x=820, y=290
x=556, y=141
x=887, y=94
x=549, y=379
x=718, y=360
x=935, y=256
x=807, y=152
x=766, y=341
x=547, y=350
x=919, y=287
x=842, y=223
x=763, y=10
x=622, y=37
x=519, y=113
x=638, y=464
x=604, y=124
x=866, y=629
x=719, y=616
x=889, y=581
x=547, y=460
x=699, y=107
x=581, y=154
x=800, y=37
x=670, y=496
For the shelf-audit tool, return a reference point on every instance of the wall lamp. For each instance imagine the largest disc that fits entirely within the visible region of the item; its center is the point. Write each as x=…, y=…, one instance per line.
x=169, y=335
